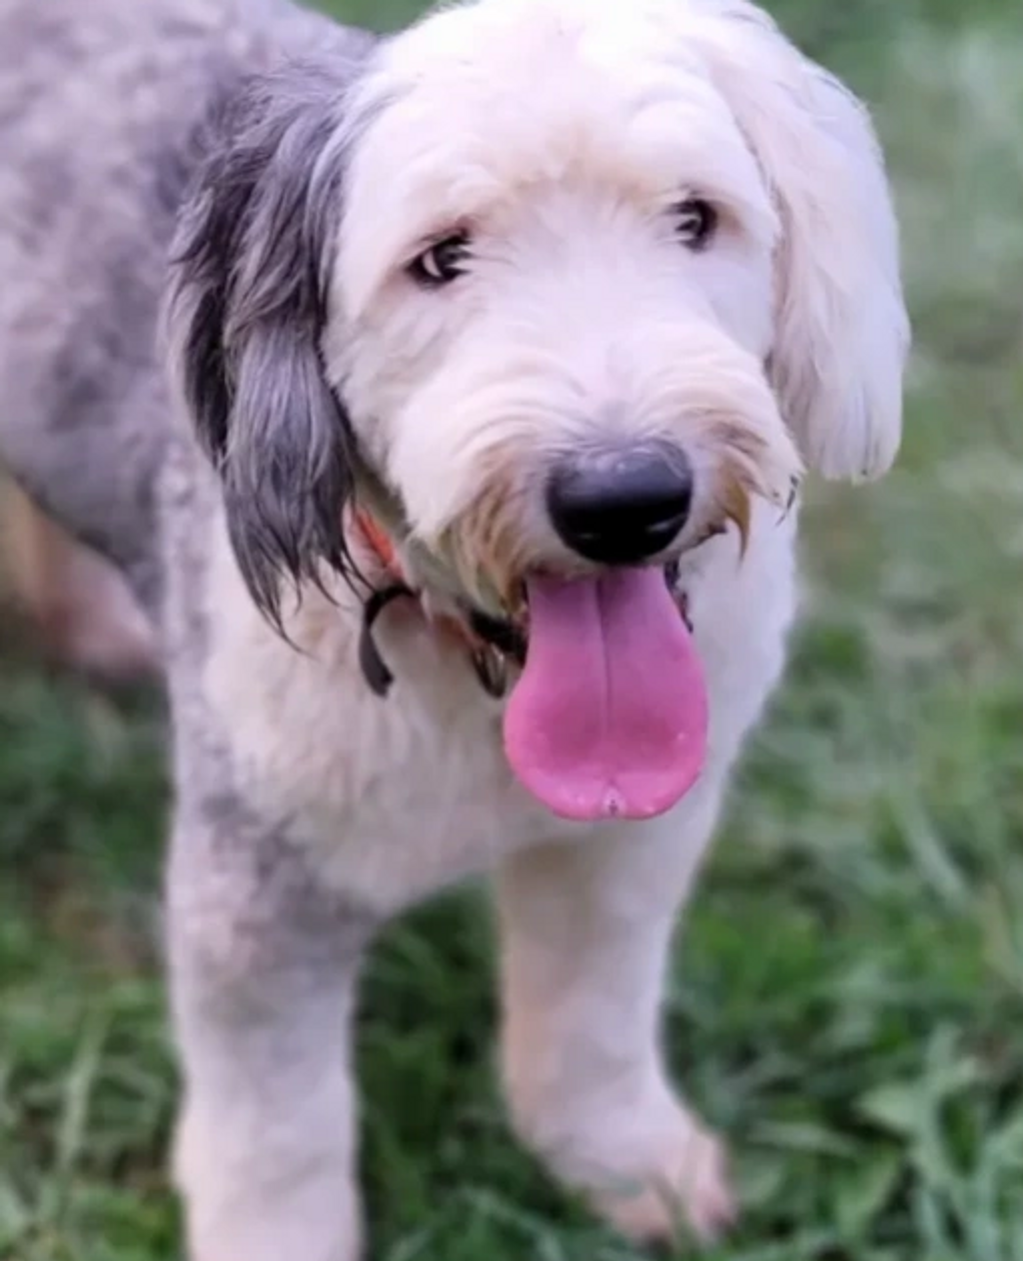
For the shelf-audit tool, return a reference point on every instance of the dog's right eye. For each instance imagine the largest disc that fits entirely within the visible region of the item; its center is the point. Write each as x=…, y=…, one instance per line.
x=695, y=222
x=442, y=263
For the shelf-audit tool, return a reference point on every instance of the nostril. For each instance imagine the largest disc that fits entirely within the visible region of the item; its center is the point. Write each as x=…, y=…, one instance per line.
x=616, y=506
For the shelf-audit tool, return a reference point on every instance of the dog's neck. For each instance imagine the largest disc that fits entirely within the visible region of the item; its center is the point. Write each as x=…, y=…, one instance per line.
x=493, y=647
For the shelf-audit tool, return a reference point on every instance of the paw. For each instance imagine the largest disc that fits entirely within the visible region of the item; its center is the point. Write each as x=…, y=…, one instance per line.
x=687, y=1187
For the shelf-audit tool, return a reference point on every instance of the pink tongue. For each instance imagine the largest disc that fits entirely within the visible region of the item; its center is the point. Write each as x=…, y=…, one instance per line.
x=610, y=715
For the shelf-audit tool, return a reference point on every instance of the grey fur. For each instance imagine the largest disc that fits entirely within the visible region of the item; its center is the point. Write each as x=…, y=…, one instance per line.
x=205, y=129
x=248, y=307
x=108, y=112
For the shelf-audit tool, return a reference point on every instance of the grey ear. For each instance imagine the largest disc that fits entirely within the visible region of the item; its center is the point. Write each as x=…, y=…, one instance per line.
x=247, y=308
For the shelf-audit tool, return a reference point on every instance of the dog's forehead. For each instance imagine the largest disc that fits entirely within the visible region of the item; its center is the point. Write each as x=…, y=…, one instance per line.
x=526, y=34
x=510, y=78
x=480, y=103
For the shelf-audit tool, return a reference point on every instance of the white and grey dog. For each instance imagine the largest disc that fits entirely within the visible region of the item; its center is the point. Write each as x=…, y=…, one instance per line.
x=497, y=351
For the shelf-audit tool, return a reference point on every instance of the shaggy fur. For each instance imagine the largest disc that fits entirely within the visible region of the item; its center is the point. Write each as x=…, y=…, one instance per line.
x=269, y=177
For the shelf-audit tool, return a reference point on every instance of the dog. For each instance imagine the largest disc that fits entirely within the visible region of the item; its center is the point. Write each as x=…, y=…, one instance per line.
x=444, y=399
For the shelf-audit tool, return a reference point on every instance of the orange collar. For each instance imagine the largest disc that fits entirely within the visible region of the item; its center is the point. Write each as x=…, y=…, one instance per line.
x=379, y=543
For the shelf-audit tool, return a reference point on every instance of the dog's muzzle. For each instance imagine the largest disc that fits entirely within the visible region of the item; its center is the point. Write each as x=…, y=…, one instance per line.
x=607, y=716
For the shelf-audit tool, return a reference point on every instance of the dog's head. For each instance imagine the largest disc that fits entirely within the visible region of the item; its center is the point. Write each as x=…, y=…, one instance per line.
x=558, y=285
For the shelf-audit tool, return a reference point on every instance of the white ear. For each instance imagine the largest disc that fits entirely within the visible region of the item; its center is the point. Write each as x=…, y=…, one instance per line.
x=842, y=334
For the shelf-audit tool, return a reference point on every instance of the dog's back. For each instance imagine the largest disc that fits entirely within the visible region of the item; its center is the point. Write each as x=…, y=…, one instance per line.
x=99, y=106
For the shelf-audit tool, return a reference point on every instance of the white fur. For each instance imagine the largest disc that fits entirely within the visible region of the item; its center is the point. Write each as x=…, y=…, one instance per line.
x=561, y=132
x=395, y=800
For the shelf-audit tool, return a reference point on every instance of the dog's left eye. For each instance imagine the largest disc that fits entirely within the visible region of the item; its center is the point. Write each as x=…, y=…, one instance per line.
x=695, y=222
x=442, y=263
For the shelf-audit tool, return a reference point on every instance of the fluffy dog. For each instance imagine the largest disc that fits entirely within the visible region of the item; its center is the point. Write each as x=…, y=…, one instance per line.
x=465, y=510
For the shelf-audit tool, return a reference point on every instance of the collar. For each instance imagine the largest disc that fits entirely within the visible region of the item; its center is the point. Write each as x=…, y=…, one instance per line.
x=492, y=645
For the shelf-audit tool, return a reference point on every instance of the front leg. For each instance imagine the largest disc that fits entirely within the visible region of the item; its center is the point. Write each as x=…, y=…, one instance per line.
x=586, y=930
x=263, y=968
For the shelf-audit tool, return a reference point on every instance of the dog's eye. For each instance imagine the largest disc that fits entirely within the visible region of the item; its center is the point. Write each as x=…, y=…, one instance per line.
x=443, y=262
x=695, y=222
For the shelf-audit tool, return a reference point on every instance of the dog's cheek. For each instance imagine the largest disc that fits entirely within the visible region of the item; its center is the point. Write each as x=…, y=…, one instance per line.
x=387, y=361
x=739, y=282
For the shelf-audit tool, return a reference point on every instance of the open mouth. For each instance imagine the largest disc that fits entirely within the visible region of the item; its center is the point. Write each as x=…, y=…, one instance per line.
x=609, y=717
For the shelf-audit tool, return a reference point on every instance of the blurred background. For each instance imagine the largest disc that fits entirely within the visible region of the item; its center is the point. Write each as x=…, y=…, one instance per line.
x=848, y=1000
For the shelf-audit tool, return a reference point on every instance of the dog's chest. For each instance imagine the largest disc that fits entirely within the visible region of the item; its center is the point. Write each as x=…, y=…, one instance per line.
x=392, y=796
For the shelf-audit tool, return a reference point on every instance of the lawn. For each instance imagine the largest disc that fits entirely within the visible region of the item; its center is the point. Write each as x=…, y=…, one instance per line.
x=848, y=1000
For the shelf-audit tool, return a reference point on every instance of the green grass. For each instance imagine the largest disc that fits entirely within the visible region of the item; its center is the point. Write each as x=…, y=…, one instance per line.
x=848, y=1005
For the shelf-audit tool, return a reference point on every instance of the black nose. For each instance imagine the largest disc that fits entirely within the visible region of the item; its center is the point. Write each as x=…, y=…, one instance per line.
x=621, y=506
